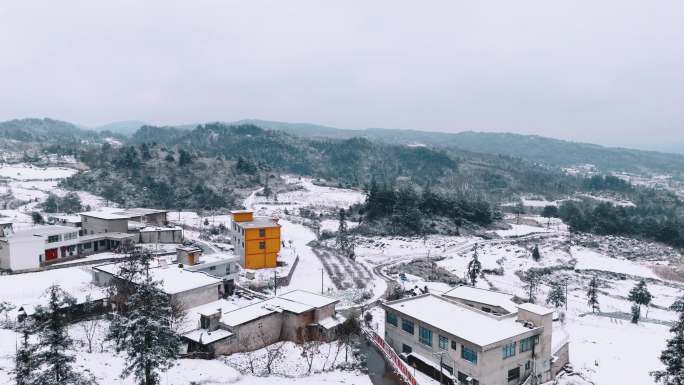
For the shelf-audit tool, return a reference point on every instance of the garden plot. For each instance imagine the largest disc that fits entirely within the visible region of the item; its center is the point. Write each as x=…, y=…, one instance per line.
x=345, y=273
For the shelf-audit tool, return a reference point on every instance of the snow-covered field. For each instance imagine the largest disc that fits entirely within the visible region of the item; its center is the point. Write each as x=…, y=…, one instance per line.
x=106, y=366
x=31, y=185
x=29, y=172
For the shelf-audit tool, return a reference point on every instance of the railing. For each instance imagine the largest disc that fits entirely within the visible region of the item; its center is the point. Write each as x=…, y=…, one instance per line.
x=390, y=356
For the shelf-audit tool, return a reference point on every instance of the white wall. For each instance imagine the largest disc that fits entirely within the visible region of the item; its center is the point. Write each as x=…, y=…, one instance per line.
x=25, y=254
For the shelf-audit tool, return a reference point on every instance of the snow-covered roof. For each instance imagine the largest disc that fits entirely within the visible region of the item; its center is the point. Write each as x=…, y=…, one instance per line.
x=458, y=319
x=297, y=301
x=536, y=309
x=258, y=222
x=160, y=228
x=68, y=218
x=28, y=289
x=110, y=235
x=246, y=314
x=174, y=279
x=309, y=298
x=331, y=322
x=117, y=213
x=206, y=337
x=41, y=231
x=484, y=296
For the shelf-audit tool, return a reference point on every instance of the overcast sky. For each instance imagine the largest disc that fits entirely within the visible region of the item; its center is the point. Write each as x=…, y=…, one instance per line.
x=609, y=72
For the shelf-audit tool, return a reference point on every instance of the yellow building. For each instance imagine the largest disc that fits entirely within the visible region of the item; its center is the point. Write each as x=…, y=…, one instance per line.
x=256, y=239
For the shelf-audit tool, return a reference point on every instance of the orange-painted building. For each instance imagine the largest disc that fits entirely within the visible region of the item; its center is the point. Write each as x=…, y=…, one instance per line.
x=256, y=239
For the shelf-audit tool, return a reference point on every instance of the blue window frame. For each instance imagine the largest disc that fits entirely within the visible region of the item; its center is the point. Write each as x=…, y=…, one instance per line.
x=508, y=350
x=391, y=318
x=468, y=354
x=527, y=343
x=407, y=326
x=443, y=343
x=425, y=336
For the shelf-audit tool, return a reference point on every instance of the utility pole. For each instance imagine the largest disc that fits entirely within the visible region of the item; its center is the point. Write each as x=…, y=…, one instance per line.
x=275, y=283
x=566, y=293
x=441, y=373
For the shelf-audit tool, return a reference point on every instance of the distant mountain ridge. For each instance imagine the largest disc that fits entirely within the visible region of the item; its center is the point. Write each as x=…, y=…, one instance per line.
x=529, y=147
x=532, y=148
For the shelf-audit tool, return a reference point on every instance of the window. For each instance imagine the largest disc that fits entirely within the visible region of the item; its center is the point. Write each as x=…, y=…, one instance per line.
x=392, y=319
x=425, y=336
x=527, y=343
x=69, y=236
x=262, y=232
x=448, y=368
x=407, y=326
x=508, y=350
x=468, y=354
x=406, y=349
x=53, y=239
x=212, y=267
x=466, y=379
x=87, y=245
x=513, y=374
x=262, y=245
x=443, y=343
x=103, y=242
x=454, y=345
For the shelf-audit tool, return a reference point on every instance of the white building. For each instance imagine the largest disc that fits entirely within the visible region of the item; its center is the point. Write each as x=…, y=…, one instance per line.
x=472, y=338
x=27, y=249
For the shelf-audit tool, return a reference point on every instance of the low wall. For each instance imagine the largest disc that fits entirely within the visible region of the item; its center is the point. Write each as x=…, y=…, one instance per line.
x=562, y=356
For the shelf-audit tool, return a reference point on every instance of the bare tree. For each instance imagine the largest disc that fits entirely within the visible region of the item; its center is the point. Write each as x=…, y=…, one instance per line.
x=274, y=353
x=91, y=324
x=310, y=349
x=178, y=315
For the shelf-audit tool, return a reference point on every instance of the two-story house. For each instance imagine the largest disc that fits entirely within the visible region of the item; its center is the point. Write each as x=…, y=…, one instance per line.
x=467, y=345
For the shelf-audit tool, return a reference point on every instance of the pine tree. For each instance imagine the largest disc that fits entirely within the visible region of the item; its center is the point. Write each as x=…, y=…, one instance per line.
x=556, y=295
x=474, y=269
x=592, y=295
x=145, y=332
x=532, y=280
x=342, y=241
x=52, y=359
x=535, y=253
x=636, y=313
x=640, y=296
x=673, y=355
x=25, y=363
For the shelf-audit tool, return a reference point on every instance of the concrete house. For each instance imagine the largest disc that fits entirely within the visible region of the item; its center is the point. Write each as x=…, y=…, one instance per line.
x=469, y=345
x=147, y=225
x=296, y=316
x=256, y=239
x=219, y=265
x=28, y=249
x=186, y=288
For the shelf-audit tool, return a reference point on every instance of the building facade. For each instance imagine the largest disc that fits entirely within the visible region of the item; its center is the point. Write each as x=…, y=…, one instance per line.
x=296, y=316
x=256, y=240
x=465, y=345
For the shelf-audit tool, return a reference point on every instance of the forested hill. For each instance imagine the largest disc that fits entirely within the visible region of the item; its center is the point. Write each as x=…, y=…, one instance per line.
x=351, y=161
x=44, y=131
x=530, y=147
